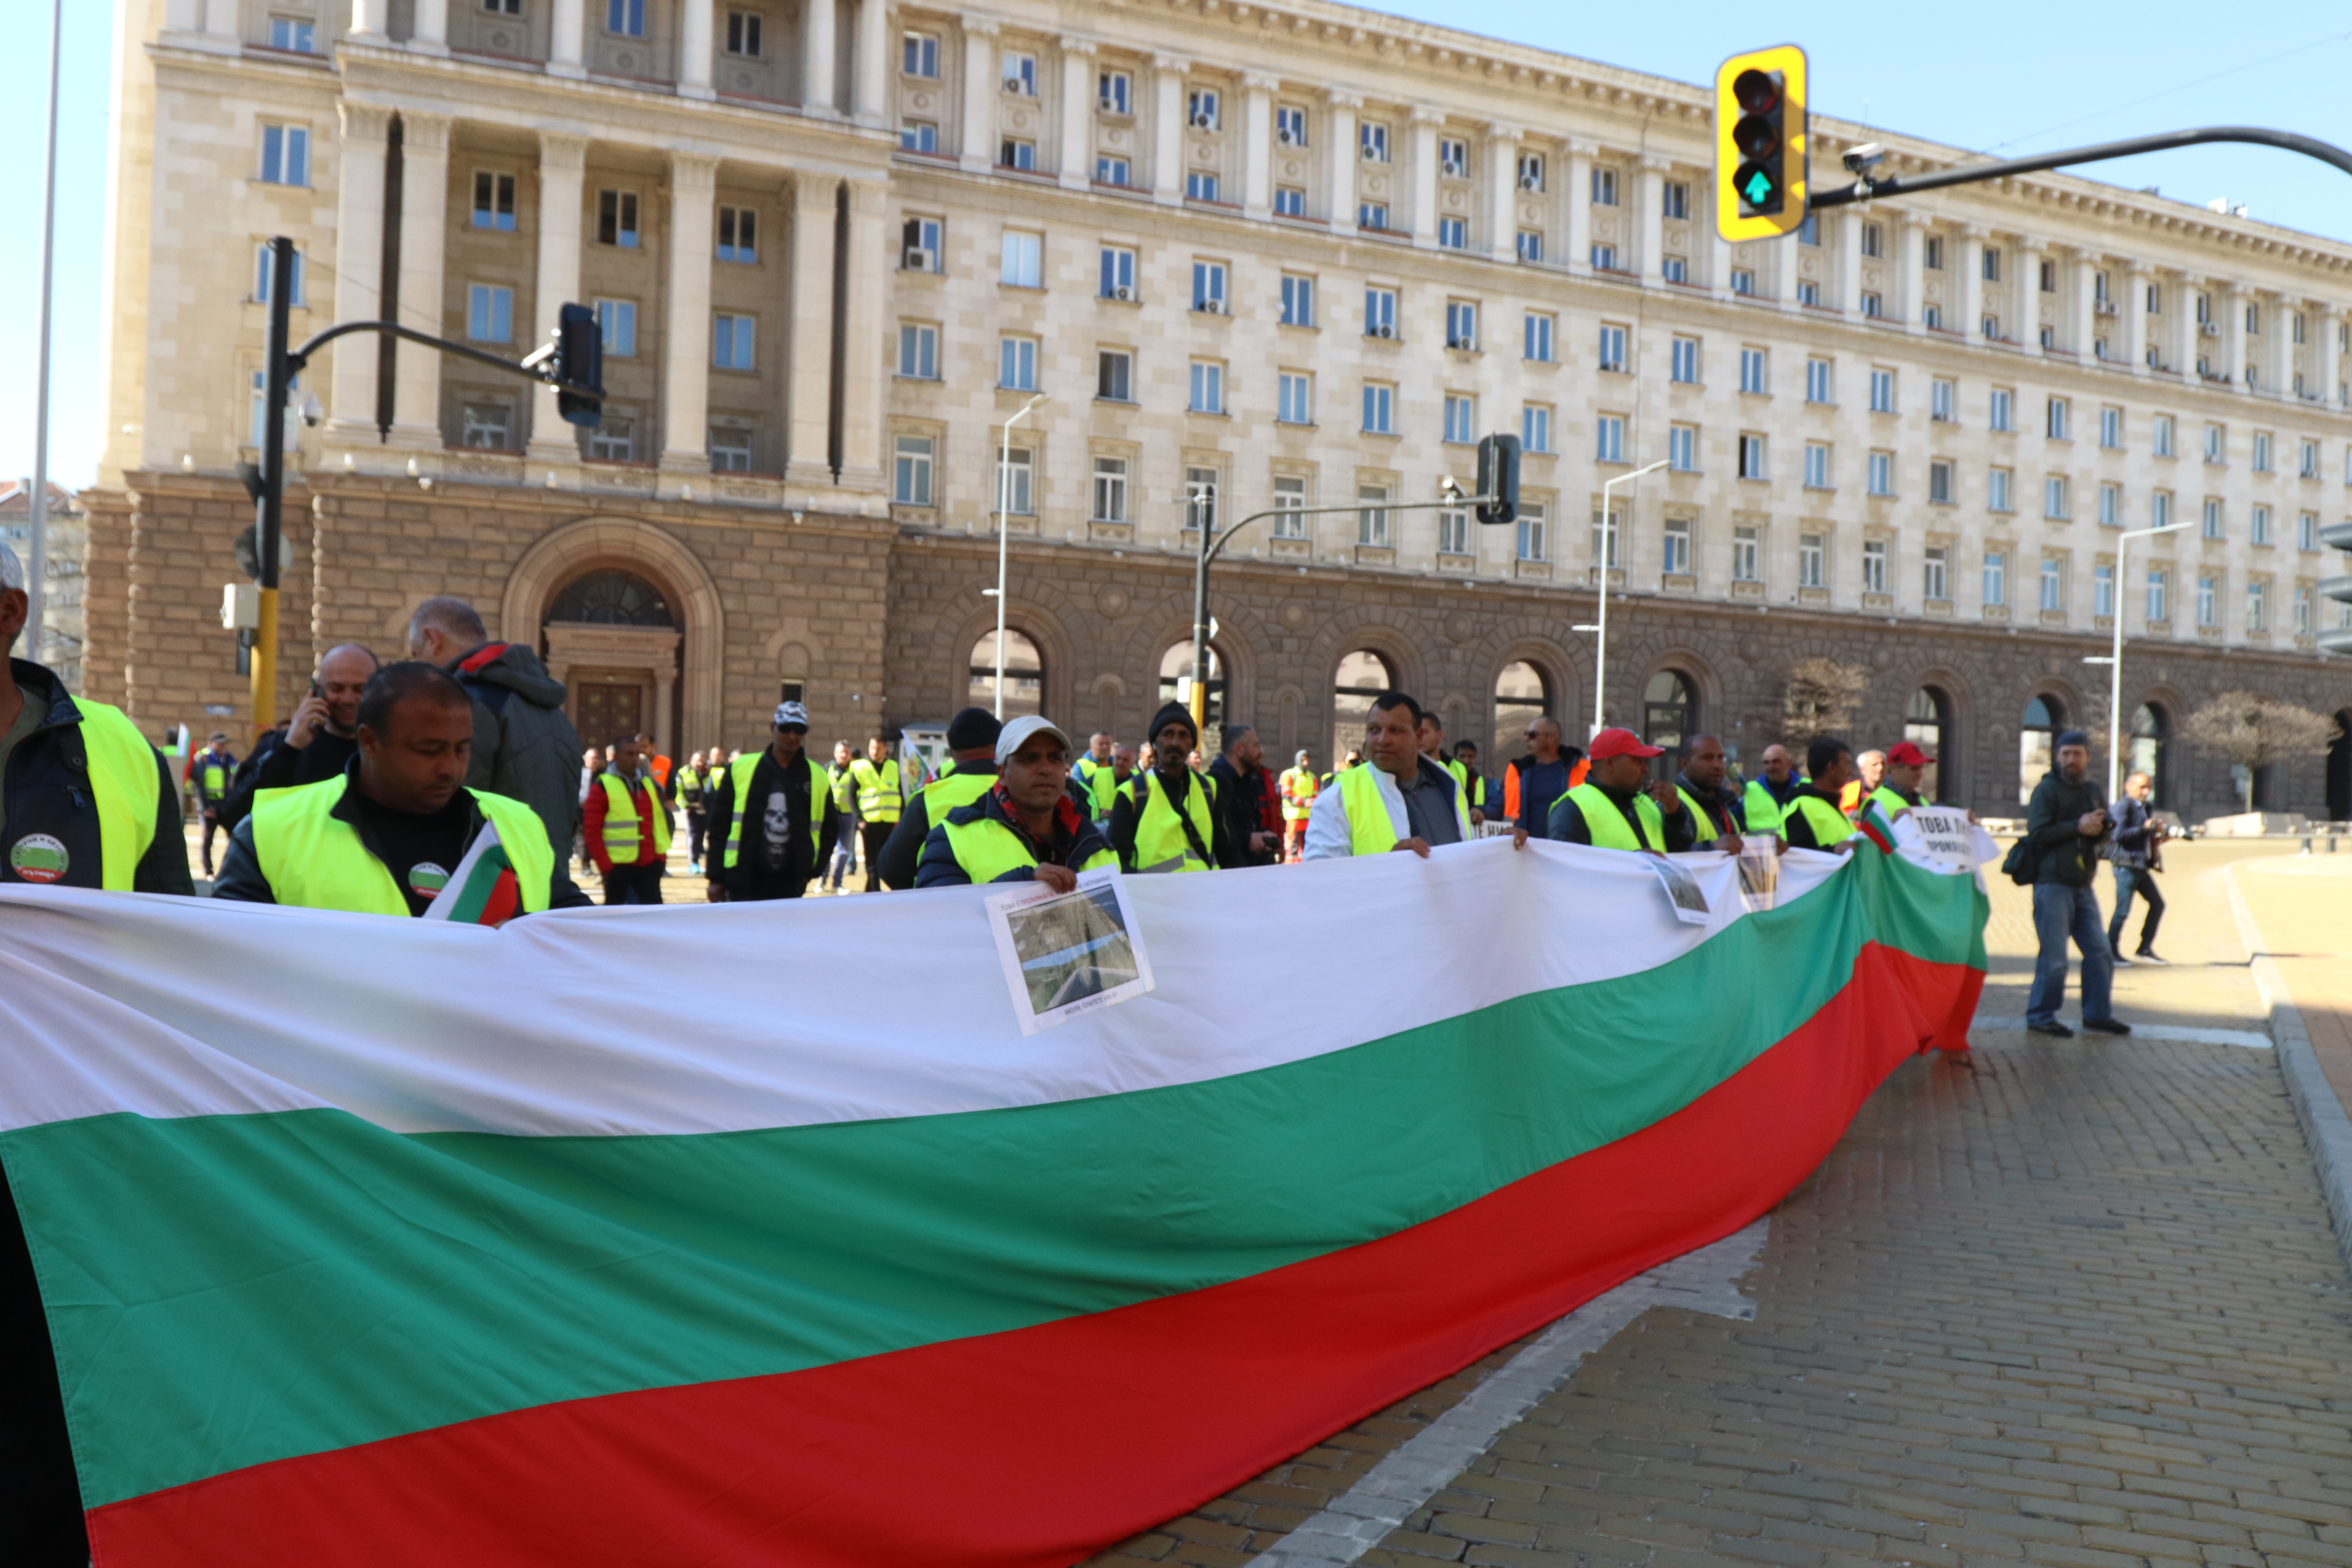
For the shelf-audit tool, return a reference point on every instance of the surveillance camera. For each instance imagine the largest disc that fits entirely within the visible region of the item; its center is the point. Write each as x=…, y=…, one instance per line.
x=1449, y=487
x=1866, y=157
x=312, y=412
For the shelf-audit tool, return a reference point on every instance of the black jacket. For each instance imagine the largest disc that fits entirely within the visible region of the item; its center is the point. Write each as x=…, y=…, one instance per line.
x=278, y=765
x=1125, y=814
x=1240, y=812
x=2135, y=844
x=1077, y=840
x=524, y=746
x=1567, y=822
x=902, y=852
x=49, y=792
x=719, y=803
x=2052, y=826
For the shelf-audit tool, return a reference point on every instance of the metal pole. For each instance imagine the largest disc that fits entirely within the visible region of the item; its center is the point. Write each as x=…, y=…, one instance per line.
x=1871, y=187
x=1607, y=549
x=1005, y=535
x=2116, y=660
x=36, y=569
x=277, y=372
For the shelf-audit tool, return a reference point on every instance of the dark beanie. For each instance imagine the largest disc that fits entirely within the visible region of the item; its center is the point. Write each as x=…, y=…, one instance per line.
x=972, y=728
x=1172, y=713
x=2072, y=738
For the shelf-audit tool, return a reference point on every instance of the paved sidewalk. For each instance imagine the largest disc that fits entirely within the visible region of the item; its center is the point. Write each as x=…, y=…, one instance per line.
x=2303, y=905
x=2074, y=1303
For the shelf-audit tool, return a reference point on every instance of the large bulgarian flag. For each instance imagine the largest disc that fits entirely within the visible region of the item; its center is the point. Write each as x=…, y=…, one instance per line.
x=763, y=1234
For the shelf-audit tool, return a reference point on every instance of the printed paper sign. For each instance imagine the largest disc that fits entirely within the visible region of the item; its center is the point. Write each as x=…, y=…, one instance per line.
x=1944, y=835
x=1682, y=894
x=1068, y=953
x=1760, y=872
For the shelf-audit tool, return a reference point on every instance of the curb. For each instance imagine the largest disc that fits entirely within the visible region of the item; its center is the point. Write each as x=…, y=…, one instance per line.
x=2325, y=1127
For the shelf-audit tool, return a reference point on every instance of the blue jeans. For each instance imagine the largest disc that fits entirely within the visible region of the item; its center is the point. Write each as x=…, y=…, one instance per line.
x=2062, y=912
x=845, y=858
x=2130, y=879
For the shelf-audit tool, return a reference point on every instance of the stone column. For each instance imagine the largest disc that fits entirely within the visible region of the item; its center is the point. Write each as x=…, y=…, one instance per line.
x=1718, y=263
x=1576, y=199
x=696, y=47
x=1423, y=124
x=2132, y=311
x=1076, y=163
x=567, y=46
x=1849, y=262
x=368, y=19
x=1503, y=191
x=359, y=266
x=220, y=19
x=2232, y=356
x=1168, y=129
x=2331, y=363
x=1341, y=165
x=429, y=34
x=821, y=57
x=2083, y=307
x=2030, y=249
x=1787, y=258
x=562, y=170
x=1650, y=215
x=424, y=223
x=809, y=383
x=976, y=149
x=862, y=385
x=1972, y=247
x=869, y=64
x=2278, y=364
x=1257, y=145
x=2188, y=332
x=686, y=333
x=1911, y=260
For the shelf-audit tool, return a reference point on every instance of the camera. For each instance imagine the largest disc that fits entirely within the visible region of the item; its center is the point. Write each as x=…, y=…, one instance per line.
x=1862, y=159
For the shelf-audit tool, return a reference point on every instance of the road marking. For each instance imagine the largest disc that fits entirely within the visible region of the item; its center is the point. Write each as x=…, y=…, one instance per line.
x=2169, y=1032
x=1390, y=1491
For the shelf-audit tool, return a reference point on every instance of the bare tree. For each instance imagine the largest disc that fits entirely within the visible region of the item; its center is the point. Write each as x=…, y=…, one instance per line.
x=2254, y=731
x=1821, y=697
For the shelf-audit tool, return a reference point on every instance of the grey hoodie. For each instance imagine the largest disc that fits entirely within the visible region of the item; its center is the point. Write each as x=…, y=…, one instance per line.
x=524, y=746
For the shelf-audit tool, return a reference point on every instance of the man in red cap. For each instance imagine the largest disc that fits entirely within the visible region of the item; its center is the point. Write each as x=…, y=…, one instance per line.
x=1907, y=765
x=1611, y=809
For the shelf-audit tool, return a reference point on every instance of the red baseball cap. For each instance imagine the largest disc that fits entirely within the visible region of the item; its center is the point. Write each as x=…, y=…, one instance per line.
x=1903, y=754
x=1621, y=743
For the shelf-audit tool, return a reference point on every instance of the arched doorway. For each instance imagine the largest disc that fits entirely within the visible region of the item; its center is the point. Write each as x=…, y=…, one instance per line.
x=1363, y=675
x=1926, y=722
x=1176, y=666
x=1025, y=675
x=2044, y=717
x=1669, y=717
x=613, y=640
x=2340, y=770
x=1522, y=696
x=2151, y=749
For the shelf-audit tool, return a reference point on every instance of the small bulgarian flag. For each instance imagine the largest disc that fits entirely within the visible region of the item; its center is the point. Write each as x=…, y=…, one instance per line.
x=482, y=891
x=1874, y=824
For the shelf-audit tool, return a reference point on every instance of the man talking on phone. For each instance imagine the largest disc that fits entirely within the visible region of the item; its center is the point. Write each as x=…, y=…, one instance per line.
x=321, y=738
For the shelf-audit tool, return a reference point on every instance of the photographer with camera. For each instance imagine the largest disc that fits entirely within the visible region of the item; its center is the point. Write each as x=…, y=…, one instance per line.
x=2136, y=851
x=2065, y=823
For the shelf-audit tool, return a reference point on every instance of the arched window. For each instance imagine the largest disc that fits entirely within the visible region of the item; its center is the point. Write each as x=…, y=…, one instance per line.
x=1669, y=716
x=1522, y=696
x=1025, y=676
x=2151, y=749
x=611, y=597
x=1926, y=722
x=1176, y=665
x=1363, y=675
x=2044, y=717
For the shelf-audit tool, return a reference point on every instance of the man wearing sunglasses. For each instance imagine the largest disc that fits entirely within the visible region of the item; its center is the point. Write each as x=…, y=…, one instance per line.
x=1532, y=783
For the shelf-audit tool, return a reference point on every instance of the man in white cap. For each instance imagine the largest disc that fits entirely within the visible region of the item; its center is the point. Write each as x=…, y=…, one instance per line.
x=774, y=816
x=1026, y=829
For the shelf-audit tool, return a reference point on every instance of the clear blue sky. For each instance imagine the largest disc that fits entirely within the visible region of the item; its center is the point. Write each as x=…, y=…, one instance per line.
x=2005, y=76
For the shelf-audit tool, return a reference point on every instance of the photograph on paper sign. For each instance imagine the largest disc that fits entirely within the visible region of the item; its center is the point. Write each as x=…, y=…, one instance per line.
x=1066, y=954
x=1759, y=874
x=1689, y=903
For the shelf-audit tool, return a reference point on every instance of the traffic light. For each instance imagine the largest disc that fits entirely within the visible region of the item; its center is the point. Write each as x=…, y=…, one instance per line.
x=2338, y=589
x=578, y=362
x=1499, y=479
x=1760, y=145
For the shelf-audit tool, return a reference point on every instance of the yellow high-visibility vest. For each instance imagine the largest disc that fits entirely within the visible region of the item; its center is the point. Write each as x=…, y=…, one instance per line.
x=623, y=834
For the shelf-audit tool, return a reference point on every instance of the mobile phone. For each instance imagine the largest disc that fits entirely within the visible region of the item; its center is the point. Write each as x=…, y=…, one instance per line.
x=316, y=692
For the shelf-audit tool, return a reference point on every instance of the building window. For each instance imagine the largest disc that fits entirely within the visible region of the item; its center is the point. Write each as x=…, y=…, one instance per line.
x=2258, y=525
x=1991, y=265
x=1612, y=349
x=1290, y=201
x=1882, y=473
x=1933, y=255
x=1874, y=304
x=1530, y=245
x=1372, y=138
x=1454, y=531
x=2002, y=404
x=616, y=324
x=484, y=426
x=739, y=235
x=1535, y=428
x=1604, y=187
x=1208, y=387
x=731, y=449
x=1535, y=540
x=1809, y=232
x=1115, y=92
x=912, y=476
x=1807, y=292
x=2159, y=430
x=1289, y=125
x=1996, y=577
x=614, y=440
x=2054, y=498
x=1209, y=287
x=1604, y=258
x=1379, y=408
x=1606, y=536
x=2103, y=591
x=1023, y=264
x=285, y=155
x=1932, y=317
x=2159, y=585
x=1295, y=398
x=2058, y=423
x=1874, y=566
x=1201, y=188
x=2054, y=582
x=1940, y=482
x=2302, y=604
x=1453, y=158
x=1996, y=498
x=743, y=34
x=1453, y=234
x=263, y=270
x=1677, y=542
x=1531, y=171
x=2261, y=451
x=1809, y=561
x=1681, y=449
x=1675, y=200
x=293, y=35
x=1115, y=273
x=1109, y=494
x=1017, y=73
x=1820, y=384
x=1536, y=338
x=1373, y=216
x=2111, y=505
x=1462, y=324
x=1290, y=503
x=918, y=351
x=1017, y=469
x=2215, y=444
x=1115, y=376
x=1684, y=361
x=489, y=313
x=1743, y=281
x=1744, y=554
x=626, y=17
x=2309, y=468
x=1371, y=514
x=1751, y=458
x=2213, y=518
x=2209, y=593
x=1111, y=171
x=1931, y=574
x=1025, y=675
x=1016, y=364
x=1014, y=153
x=1881, y=390
x=1203, y=109
x=1609, y=438
x=616, y=218
x=1298, y=301
x=1380, y=313
x=1943, y=400
x=2306, y=531
x=1753, y=374
x=918, y=136
x=1991, y=325
x=494, y=200
x=1673, y=269
x=2159, y=510
x=1819, y=458
x=2258, y=607
x=733, y=341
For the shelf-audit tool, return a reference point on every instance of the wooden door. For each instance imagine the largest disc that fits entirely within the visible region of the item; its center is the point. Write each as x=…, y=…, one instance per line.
x=607, y=706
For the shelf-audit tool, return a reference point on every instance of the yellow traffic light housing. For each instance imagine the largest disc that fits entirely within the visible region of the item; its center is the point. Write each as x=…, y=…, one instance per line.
x=1760, y=145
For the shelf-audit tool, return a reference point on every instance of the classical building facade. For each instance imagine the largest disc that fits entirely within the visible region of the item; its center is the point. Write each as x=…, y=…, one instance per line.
x=1287, y=260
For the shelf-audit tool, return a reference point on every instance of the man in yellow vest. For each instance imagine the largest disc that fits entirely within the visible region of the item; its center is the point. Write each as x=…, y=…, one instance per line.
x=1166, y=818
x=385, y=836
x=1907, y=768
x=1868, y=769
x=1768, y=798
x=1097, y=775
x=1433, y=746
x=1397, y=799
x=843, y=778
x=85, y=801
x=692, y=781
x=774, y=816
x=1814, y=819
x=971, y=742
x=626, y=827
x=1611, y=809
x=1716, y=813
x=879, y=803
x=1024, y=828
x=211, y=771
x=1300, y=783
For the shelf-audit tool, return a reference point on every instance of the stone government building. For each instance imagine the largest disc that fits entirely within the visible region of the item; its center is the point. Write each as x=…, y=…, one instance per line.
x=1257, y=256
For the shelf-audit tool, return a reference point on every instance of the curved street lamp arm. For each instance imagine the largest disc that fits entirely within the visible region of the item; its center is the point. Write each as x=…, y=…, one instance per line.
x=1897, y=185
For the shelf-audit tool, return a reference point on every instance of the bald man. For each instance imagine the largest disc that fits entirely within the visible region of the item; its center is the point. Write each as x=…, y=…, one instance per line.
x=319, y=740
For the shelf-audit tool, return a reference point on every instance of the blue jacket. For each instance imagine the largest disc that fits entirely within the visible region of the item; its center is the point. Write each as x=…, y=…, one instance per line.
x=2135, y=840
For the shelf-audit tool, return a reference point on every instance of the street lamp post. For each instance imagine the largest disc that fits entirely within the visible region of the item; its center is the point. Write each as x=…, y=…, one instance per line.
x=1608, y=550
x=2114, y=661
x=1005, y=535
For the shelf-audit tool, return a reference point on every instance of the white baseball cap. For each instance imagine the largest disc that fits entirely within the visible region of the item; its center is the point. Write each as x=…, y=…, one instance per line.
x=791, y=713
x=1010, y=739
